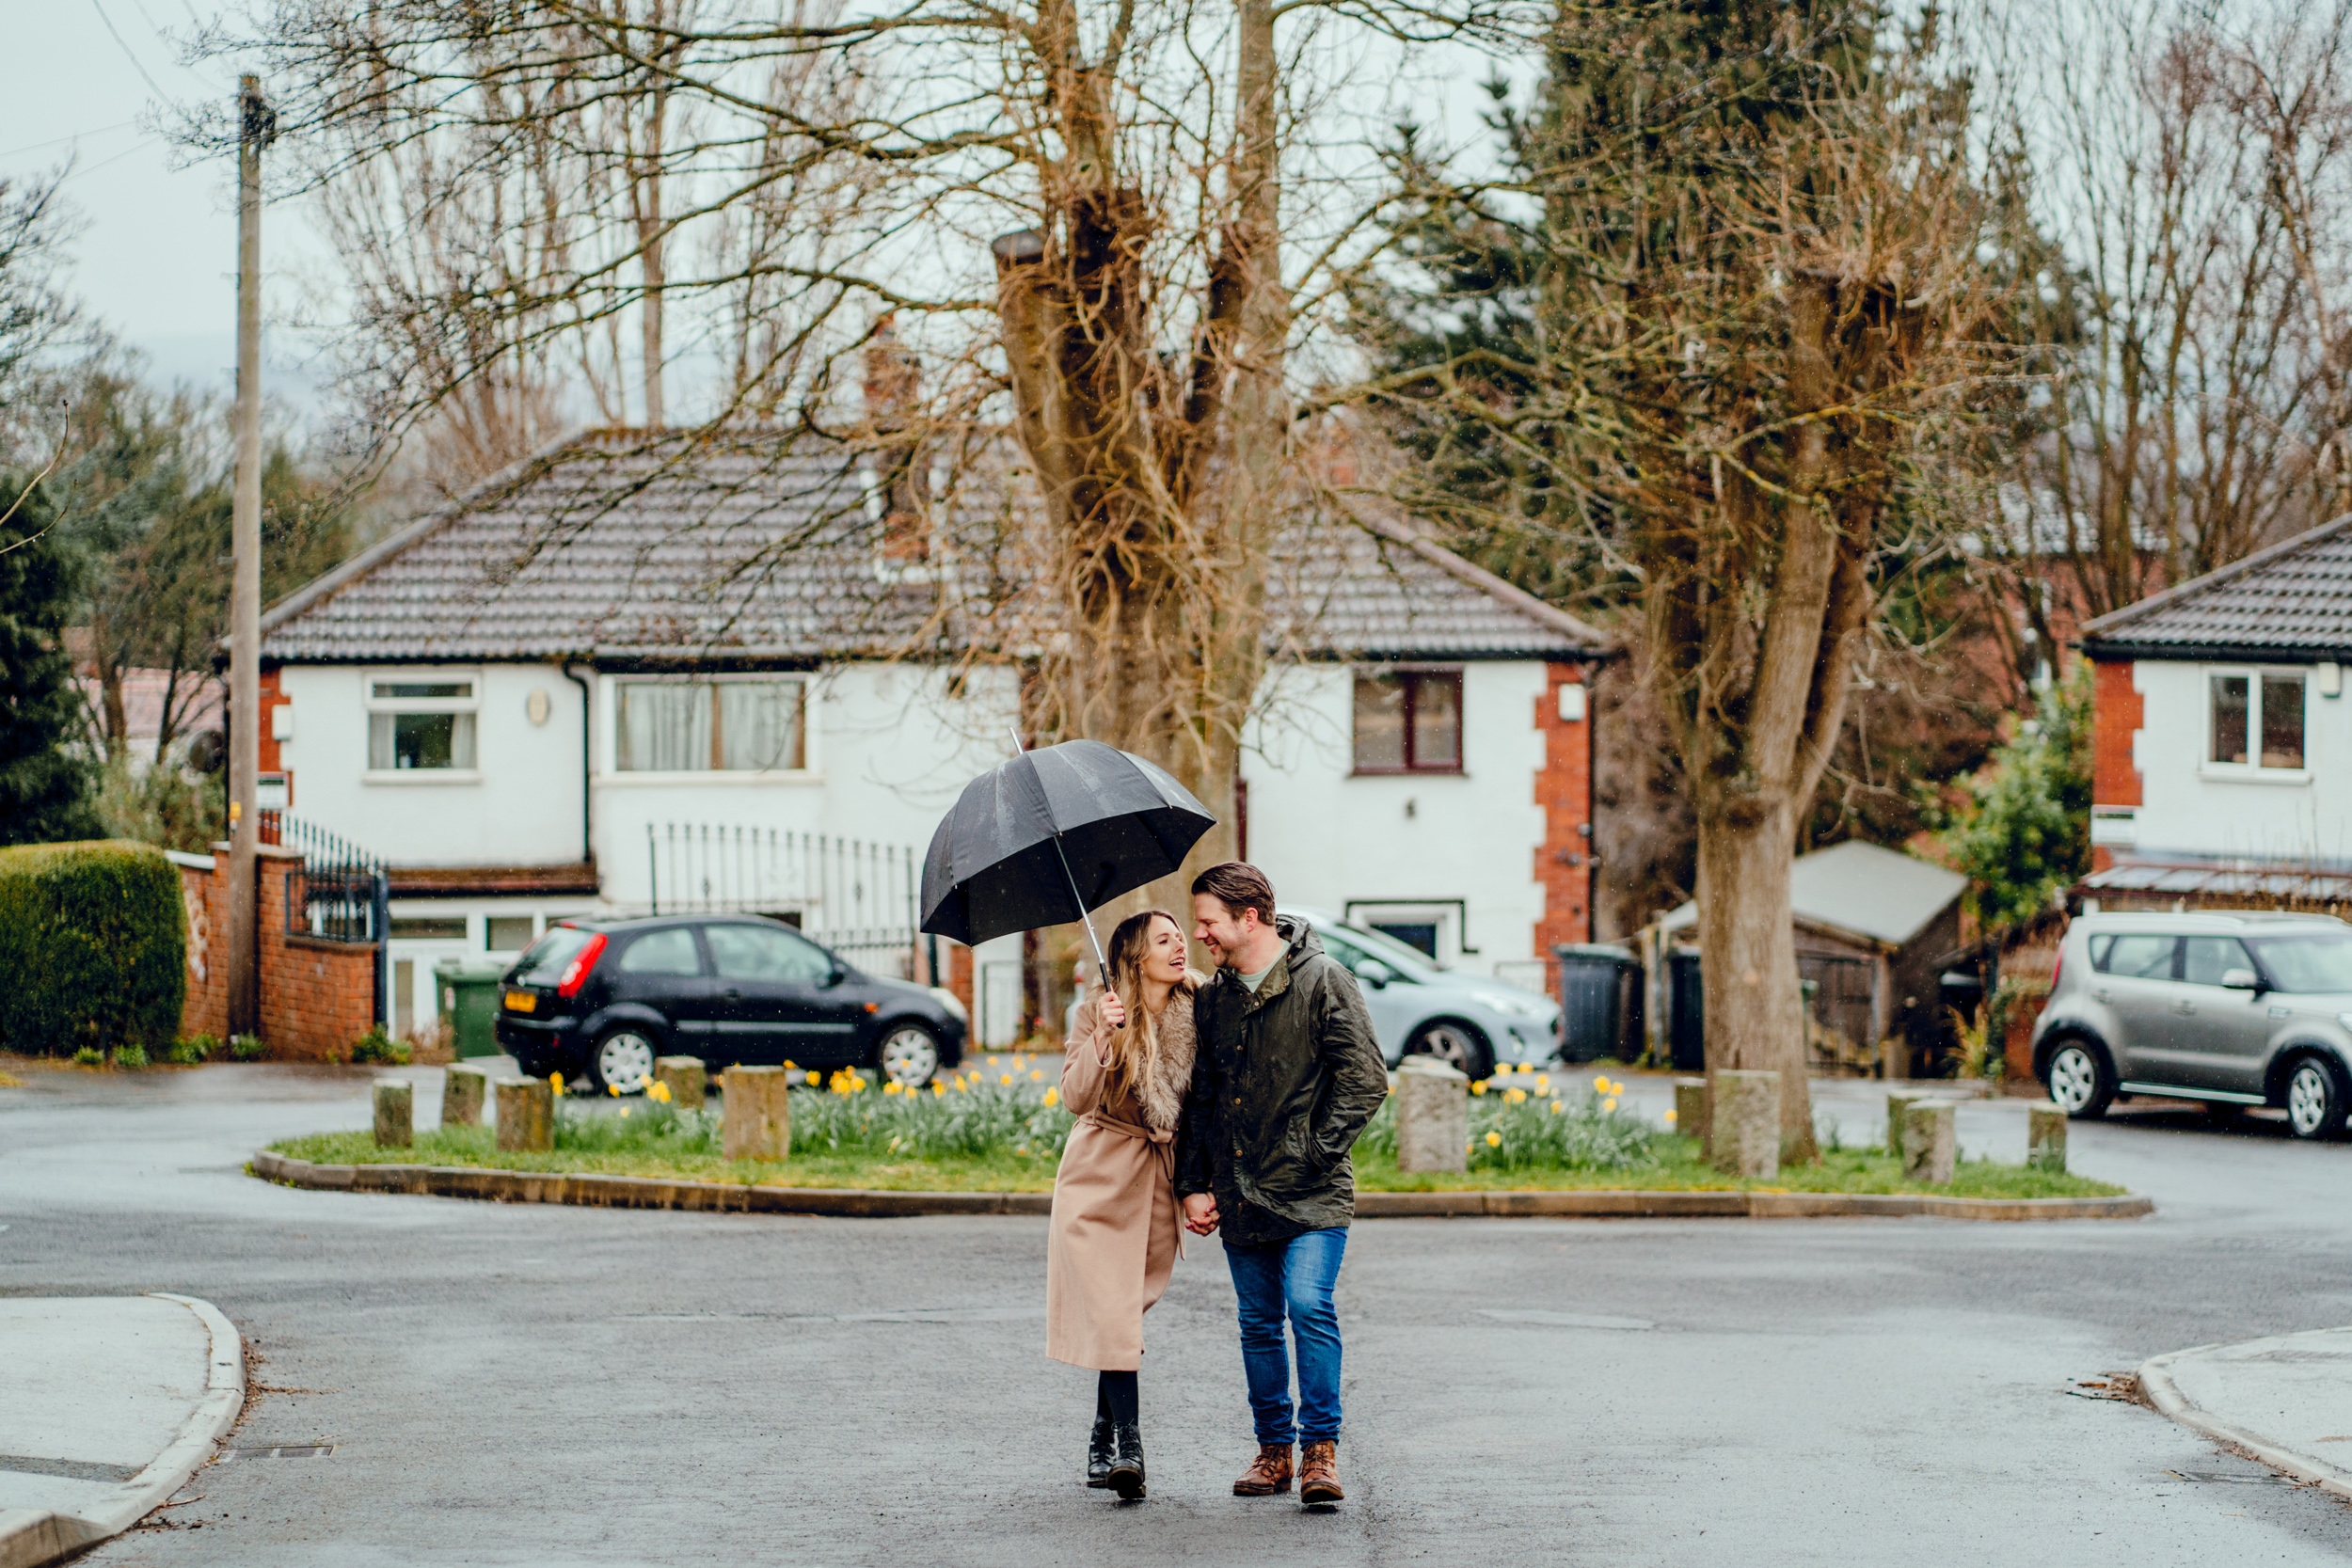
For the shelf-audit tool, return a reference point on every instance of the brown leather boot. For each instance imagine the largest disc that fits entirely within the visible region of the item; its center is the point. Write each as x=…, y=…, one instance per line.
x=1269, y=1473
x=1319, y=1474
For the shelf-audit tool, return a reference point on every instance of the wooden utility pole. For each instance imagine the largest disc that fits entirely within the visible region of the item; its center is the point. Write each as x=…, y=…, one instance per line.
x=256, y=124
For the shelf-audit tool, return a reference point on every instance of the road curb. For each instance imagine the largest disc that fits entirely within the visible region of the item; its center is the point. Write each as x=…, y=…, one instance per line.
x=643, y=1192
x=30, y=1536
x=2157, y=1383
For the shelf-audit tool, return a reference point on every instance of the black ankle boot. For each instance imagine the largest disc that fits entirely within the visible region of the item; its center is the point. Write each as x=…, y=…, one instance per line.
x=1098, y=1453
x=1126, y=1477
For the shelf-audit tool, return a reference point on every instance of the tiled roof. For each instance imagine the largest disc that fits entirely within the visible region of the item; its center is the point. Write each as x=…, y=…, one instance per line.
x=2294, y=599
x=752, y=549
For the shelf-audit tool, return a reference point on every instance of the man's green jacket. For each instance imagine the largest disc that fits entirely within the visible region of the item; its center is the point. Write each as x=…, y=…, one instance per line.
x=1282, y=1082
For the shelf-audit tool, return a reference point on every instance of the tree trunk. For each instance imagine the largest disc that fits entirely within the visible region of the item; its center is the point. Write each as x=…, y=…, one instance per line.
x=1755, y=1012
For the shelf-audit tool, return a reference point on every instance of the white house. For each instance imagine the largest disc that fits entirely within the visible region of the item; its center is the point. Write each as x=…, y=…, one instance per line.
x=632, y=675
x=2223, y=743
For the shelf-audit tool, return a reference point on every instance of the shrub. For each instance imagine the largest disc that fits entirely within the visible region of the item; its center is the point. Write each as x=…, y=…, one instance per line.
x=378, y=1046
x=93, y=940
x=130, y=1056
x=90, y=1055
x=247, y=1048
x=192, y=1049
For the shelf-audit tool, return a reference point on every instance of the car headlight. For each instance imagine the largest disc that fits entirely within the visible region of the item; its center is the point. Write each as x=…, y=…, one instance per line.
x=1539, y=1009
x=2345, y=1019
x=953, y=1003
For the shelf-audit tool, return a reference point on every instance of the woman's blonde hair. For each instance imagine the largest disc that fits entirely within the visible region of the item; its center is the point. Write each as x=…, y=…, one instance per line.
x=1135, y=1046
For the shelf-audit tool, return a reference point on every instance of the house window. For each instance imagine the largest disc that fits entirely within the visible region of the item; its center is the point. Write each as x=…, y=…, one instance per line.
x=1409, y=722
x=422, y=723
x=704, y=726
x=2257, y=720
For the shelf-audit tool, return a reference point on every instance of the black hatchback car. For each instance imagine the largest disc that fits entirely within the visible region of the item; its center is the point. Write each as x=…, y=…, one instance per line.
x=600, y=998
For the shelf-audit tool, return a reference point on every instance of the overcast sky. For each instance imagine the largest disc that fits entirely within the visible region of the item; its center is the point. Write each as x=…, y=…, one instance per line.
x=157, y=258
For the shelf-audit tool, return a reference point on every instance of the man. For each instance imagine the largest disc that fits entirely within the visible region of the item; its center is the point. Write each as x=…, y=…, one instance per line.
x=1286, y=1075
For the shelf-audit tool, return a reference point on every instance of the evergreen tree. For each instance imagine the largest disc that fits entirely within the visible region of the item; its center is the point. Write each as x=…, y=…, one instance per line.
x=45, y=771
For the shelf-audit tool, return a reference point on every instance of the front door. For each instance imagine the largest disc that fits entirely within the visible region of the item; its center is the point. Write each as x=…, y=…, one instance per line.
x=2225, y=1033
x=777, y=999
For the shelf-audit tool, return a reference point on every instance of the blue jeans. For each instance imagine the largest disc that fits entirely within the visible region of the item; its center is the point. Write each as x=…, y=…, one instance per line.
x=1292, y=1279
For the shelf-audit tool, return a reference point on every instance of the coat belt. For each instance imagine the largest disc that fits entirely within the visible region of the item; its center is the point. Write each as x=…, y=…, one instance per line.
x=1162, y=1140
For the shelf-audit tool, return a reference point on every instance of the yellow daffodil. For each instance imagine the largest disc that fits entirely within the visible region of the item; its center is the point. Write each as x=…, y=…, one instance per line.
x=1514, y=1096
x=1494, y=1140
x=891, y=1087
x=1670, y=1119
x=1601, y=1083
x=623, y=1113
x=1053, y=1095
x=1543, y=1083
x=1557, y=1107
x=1023, y=1149
x=938, y=1089
x=1479, y=1087
x=660, y=1092
x=1036, y=1073
x=791, y=1067
x=555, y=1081
x=1005, y=1081
x=614, y=1090
x=1609, y=1103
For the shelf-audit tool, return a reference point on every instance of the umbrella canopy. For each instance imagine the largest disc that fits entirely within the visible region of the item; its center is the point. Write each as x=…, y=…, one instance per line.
x=1052, y=834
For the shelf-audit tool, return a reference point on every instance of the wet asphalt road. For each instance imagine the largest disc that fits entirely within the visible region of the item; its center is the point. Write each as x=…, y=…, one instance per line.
x=544, y=1385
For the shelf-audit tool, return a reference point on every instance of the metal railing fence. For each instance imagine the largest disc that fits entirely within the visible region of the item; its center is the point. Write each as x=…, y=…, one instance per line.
x=854, y=896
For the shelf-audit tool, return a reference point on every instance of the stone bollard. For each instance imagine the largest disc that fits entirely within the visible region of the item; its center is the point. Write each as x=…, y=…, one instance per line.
x=1744, y=1124
x=756, y=1123
x=688, y=1082
x=1895, y=1105
x=395, y=1114
x=1930, y=1142
x=2045, y=1137
x=526, y=1109
x=1690, y=1110
x=1432, y=1115
x=462, y=1090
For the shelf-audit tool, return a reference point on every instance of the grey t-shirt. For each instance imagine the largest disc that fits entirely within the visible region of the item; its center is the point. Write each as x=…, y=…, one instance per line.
x=1254, y=981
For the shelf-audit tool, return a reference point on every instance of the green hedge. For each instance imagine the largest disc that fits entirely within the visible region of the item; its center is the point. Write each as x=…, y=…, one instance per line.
x=94, y=948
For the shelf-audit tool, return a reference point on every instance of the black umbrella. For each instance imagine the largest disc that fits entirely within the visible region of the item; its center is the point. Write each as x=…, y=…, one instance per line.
x=1052, y=834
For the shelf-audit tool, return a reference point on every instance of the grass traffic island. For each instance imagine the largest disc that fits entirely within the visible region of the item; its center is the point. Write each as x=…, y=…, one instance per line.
x=977, y=1134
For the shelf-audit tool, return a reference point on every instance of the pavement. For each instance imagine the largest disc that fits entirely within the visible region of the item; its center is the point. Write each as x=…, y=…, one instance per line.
x=107, y=1407
x=2281, y=1399
x=530, y=1384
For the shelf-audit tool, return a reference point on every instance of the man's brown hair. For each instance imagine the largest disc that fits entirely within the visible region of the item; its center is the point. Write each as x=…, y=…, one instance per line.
x=1238, y=886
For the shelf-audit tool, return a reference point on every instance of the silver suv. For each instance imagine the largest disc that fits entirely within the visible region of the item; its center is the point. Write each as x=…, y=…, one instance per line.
x=2233, y=1008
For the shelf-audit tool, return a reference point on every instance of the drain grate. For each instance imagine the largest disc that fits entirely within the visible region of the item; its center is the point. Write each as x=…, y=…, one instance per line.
x=282, y=1451
x=2230, y=1480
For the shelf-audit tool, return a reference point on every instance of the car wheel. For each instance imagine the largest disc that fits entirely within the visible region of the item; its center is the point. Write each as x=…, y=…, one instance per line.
x=908, y=1055
x=2080, y=1079
x=622, y=1057
x=1458, y=1045
x=2316, y=1103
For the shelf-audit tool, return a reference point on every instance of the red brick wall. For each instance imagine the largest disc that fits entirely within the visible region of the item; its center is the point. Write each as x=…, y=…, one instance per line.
x=2117, y=715
x=317, y=997
x=959, y=980
x=271, y=698
x=1563, y=863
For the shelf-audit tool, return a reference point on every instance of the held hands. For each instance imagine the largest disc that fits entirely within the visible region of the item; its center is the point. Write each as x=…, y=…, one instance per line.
x=1200, y=1213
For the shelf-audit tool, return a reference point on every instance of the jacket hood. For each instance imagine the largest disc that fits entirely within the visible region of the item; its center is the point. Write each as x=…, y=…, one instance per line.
x=1299, y=939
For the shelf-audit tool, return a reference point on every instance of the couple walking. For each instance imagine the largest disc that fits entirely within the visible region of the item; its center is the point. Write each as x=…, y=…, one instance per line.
x=1206, y=1104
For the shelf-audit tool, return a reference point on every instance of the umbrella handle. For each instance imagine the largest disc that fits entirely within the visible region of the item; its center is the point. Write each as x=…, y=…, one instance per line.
x=1102, y=969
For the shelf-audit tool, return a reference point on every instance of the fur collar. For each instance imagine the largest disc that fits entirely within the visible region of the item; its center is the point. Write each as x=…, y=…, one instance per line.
x=1162, y=1093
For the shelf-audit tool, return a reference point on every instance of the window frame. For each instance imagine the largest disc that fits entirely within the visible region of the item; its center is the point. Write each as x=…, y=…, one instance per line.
x=618, y=684
x=2254, y=770
x=1409, y=677
x=372, y=704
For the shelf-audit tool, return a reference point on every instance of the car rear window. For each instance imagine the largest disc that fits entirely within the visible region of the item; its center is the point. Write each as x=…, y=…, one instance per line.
x=542, y=963
x=2134, y=956
x=2313, y=963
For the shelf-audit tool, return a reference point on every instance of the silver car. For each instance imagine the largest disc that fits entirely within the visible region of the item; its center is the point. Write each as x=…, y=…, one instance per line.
x=2232, y=1008
x=1418, y=1009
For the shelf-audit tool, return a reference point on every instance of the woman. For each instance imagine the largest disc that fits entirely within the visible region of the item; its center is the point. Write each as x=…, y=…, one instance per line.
x=1115, y=1236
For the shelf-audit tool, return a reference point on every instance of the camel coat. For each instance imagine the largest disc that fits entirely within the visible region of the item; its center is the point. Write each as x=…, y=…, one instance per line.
x=1115, y=1233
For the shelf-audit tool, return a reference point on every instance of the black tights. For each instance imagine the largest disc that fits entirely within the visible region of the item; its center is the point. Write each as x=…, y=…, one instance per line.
x=1116, y=1397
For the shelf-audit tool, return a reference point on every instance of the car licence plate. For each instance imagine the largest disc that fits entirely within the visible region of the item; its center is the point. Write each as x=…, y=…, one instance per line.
x=521, y=1001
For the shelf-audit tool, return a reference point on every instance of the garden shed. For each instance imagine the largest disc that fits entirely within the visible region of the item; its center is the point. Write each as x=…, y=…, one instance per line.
x=1871, y=924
